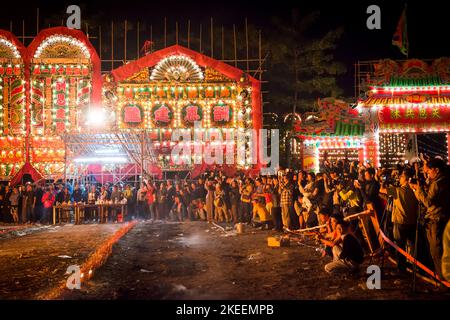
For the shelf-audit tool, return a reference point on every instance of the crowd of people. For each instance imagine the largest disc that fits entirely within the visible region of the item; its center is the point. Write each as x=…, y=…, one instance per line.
x=22, y=204
x=401, y=198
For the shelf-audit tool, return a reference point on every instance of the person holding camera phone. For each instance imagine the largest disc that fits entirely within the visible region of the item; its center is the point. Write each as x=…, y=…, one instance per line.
x=436, y=201
x=404, y=214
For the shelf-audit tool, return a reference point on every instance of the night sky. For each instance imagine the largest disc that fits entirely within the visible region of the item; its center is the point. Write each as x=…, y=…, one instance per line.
x=427, y=22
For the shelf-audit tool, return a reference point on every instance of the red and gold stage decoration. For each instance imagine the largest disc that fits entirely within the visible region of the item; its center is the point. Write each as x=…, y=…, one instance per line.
x=408, y=97
x=12, y=105
x=43, y=89
x=191, y=113
x=335, y=132
x=175, y=88
x=48, y=90
x=65, y=81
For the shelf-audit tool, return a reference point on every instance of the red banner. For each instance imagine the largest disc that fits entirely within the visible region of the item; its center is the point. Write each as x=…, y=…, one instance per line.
x=415, y=114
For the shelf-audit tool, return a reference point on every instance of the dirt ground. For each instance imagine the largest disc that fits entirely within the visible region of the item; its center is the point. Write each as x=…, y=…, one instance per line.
x=34, y=259
x=195, y=260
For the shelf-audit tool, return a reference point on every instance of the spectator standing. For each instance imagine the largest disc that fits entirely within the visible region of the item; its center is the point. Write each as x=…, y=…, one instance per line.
x=234, y=200
x=209, y=201
x=77, y=194
x=39, y=207
x=14, y=204
x=287, y=202
x=436, y=201
x=220, y=206
x=28, y=203
x=276, y=206
x=370, y=190
x=404, y=215
x=446, y=253
x=162, y=201
x=246, y=201
x=48, y=199
x=141, y=200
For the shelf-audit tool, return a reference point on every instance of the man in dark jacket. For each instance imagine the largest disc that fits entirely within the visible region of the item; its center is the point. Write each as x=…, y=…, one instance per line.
x=369, y=191
x=171, y=192
x=348, y=254
x=436, y=201
x=77, y=194
x=404, y=215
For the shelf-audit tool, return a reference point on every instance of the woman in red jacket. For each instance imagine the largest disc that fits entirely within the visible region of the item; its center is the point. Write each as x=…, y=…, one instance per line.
x=48, y=199
x=151, y=202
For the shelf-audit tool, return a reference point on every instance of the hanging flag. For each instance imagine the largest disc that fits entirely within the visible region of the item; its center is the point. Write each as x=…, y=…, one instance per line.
x=400, y=38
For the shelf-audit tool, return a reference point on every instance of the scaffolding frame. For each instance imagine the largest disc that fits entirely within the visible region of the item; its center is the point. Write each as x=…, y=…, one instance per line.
x=136, y=146
x=253, y=65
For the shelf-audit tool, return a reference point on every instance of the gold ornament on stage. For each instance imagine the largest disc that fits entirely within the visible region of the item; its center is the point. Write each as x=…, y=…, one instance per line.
x=178, y=68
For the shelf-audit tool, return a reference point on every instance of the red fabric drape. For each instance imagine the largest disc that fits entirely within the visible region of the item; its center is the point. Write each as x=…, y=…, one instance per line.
x=26, y=169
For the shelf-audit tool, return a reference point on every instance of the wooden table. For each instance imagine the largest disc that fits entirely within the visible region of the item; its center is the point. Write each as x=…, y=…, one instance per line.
x=60, y=207
x=104, y=210
x=80, y=207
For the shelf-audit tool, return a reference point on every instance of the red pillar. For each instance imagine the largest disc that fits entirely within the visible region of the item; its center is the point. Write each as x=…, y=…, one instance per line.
x=27, y=111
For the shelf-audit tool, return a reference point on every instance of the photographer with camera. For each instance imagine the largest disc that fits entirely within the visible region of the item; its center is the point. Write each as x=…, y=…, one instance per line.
x=436, y=201
x=331, y=198
x=404, y=214
x=369, y=190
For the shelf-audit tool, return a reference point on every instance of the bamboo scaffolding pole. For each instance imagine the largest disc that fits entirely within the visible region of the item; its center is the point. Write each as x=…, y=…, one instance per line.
x=151, y=38
x=212, y=38
x=100, y=41
x=189, y=34
x=125, y=41
x=165, y=32
x=200, y=49
x=260, y=54
x=137, y=40
x=223, y=43
x=246, y=43
x=112, y=45
x=37, y=20
x=235, y=45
